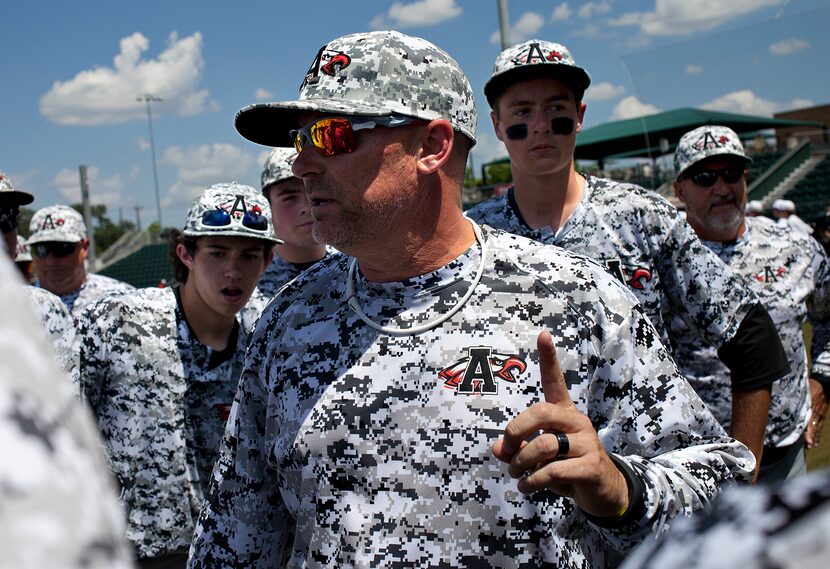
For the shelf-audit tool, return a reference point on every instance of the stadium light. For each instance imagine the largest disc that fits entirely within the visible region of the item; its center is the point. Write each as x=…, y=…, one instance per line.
x=149, y=98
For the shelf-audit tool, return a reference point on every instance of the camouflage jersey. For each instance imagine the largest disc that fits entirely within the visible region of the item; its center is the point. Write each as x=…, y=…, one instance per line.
x=353, y=448
x=757, y=527
x=644, y=242
x=59, y=327
x=281, y=271
x=58, y=506
x=161, y=398
x=94, y=287
x=790, y=274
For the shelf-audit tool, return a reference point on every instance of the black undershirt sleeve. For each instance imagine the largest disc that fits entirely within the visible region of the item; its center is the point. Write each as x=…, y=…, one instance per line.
x=755, y=356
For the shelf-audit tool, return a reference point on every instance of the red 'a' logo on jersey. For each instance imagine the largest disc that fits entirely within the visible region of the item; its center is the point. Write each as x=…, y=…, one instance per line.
x=770, y=275
x=476, y=373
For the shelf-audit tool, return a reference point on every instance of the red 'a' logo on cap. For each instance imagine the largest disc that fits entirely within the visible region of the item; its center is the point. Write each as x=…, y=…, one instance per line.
x=707, y=141
x=326, y=62
x=49, y=223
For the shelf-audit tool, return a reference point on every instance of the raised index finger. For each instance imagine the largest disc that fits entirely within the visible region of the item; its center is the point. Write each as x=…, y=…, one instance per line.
x=553, y=381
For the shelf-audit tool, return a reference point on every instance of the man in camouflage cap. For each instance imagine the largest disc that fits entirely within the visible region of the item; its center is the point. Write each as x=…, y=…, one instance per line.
x=159, y=367
x=377, y=386
x=790, y=274
x=53, y=314
x=292, y=222
x=783, y=211
x=59, y=507
x=59, y=248
x=535, y=95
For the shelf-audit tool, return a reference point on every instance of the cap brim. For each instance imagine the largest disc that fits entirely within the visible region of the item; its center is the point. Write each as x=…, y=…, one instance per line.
x=15, y=198
x=743, y=157
x=231, y=233
x=269, y=123
x=575, y=77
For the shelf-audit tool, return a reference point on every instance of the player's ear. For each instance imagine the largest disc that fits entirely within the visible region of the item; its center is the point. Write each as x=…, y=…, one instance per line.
x=184, y=256
x=678, y=191
x=435, y=146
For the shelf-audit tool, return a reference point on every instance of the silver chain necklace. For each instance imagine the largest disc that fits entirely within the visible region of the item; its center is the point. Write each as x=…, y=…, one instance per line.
x=351, y=299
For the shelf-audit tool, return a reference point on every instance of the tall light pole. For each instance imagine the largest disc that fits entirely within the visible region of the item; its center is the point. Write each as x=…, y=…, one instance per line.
x=148, y=98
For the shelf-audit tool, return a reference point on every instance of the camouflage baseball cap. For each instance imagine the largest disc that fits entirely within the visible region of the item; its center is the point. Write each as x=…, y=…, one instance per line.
x=531, y=60
x=278, y=166
x=704, y=142
x=370, y=74
x=9, y=197
x=232, y=210
x=22, y=253
x=56, y=223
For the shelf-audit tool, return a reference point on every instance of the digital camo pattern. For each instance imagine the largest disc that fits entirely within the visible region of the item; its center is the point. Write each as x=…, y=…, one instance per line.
x=280, y=272
x=705, y=142
x=58, y=507
x=237, y=200
x=539, y=56
x=160, y=409
x=347, y=447
x=790, y=274
x=56, y=223
x=371, y=74
x=758, y=527
x=278, y=167
x=59, y=327
x=644, y=242
x=94, y=287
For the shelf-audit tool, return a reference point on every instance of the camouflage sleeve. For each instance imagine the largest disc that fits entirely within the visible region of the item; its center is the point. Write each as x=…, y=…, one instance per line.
x=702, y=290
x=93, y=344
x=243, y=520
x=664, y=432
x=818, y=312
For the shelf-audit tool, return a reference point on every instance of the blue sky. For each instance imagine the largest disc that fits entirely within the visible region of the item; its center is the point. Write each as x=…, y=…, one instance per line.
x=72, y=72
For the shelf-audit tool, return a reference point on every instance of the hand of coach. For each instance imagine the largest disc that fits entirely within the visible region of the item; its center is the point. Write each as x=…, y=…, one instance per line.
x=585, y=472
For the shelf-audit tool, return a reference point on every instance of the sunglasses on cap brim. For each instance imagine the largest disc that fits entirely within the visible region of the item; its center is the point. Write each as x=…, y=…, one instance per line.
x=335, y=135
x=252, y=220
x=59, y=249
x=706, y=178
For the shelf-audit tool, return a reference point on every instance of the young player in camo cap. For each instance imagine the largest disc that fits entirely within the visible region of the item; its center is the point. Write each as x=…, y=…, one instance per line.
x=375, y=385
x=58, y=507
x=159, y=367
x=53, y=314
x=292, y=222
x=59, y=247
x=790, y=274
x=535, y=95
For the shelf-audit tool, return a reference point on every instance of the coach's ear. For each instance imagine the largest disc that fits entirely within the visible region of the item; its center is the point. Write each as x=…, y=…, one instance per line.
x=436, y=146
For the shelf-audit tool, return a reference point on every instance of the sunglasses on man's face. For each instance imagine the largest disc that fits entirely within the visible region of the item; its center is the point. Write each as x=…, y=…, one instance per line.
x=335, y=135
x=59, y=249
x=707, y=178
x=220, y=218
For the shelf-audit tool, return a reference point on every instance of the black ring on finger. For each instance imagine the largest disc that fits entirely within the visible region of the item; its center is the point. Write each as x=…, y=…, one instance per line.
x=564, y=445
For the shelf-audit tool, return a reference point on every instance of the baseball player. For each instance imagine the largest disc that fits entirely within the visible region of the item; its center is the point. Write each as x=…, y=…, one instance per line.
x=58, y=507
x=292, y=222
x=788, y=271
x=390, y=396
x=159, y=367
x=53, y=314
x=535, y=95
x=59, y=247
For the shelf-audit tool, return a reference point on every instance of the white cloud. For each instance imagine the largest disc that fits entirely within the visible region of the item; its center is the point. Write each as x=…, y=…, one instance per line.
x=561, y=13
x=748, y=103
x=788, y=47
x=591, y=9
x=201, y=166
x=525, y=28
x=604, y=92
x=102, y=191
x=683, y=17
x=693, y=69
x=420, y=13
x=142, y=143
x=631, y=107
x=107, y=95
x=744, y=102
x=590, y=31
x=263, y=95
